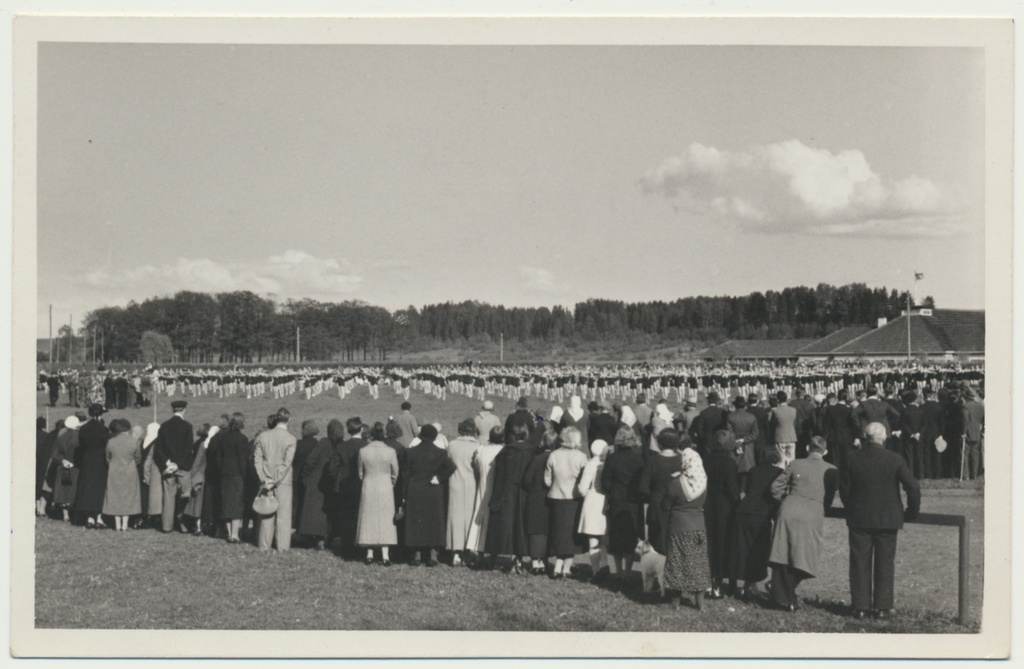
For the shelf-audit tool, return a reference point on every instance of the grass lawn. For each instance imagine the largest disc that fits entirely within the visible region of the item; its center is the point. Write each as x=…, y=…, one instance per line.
x=143, y=579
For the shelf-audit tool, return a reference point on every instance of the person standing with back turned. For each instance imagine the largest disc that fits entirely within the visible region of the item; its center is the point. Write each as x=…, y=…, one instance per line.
x=869, y=487
x=275, y=450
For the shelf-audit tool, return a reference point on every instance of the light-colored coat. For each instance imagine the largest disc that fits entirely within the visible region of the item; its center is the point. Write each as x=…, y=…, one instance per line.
x=562, y=473
x=804, y=488
x=461, y=492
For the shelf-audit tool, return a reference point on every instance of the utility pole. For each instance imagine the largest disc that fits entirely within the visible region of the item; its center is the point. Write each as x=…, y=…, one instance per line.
x=501, y=350
x=297, y=344
x=50, y=337
x=909, y=355
x=94, y=345
x=71, y=337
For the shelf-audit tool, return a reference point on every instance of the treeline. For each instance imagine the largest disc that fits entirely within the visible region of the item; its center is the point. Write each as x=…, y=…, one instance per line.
x=244, y=327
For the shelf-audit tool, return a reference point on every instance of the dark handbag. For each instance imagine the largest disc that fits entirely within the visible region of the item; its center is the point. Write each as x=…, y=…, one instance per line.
x=400, y=514
x=65, y=477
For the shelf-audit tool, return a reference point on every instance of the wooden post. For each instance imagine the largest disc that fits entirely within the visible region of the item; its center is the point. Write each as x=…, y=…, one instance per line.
x=965, y=570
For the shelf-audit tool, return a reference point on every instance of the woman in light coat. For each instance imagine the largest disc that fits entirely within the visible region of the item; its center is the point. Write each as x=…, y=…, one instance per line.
x=378, y=471
x=593, y=523
x=123, y=497
x=461, y=489
x=483, y=458
x=561, y=475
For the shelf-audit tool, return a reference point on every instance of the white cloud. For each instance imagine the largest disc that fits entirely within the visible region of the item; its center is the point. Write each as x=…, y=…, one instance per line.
x=536, y=280
x=291, y=274
x=791, y=187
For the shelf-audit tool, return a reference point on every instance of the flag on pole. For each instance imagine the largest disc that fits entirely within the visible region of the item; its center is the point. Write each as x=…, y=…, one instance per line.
x=918, y=276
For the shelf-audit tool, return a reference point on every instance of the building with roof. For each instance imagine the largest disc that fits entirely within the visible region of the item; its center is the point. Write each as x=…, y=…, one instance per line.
x=936, y=334
x=944, y=334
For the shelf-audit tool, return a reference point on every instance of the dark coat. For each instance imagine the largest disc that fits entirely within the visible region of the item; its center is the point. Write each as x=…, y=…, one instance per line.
x=839, y=425
x=754, y=524
x=317, y=487
x=874, y=410
x=506, y=526
x=344, y=469
x=303, y=447
x=44, y=444
x=621, y=482
x=211, y=490
x=537, y=512
x=932, y=424
x=708, y=422
x=602, y=426
x=519, y=417
x=720, y=509
x=653, y=485
x=91, y=460
x=425, y=507
x=231, y=461
x=761, y=414
x=174, y=442
x=869, y=487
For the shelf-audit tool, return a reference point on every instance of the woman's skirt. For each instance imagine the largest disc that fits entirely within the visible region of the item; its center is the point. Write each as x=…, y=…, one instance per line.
x=686, y=565
x=538, y=546
x=753, y=546
x=563, y=541
x=625, y=527
x=65, y=486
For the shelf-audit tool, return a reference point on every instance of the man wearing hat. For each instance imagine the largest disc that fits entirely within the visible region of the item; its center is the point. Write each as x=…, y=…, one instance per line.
x=744, y=427
x=974, y=428
x=408, y=423
x=173, y=453
x=684, y=419
x=711, y=420
x=485, y=421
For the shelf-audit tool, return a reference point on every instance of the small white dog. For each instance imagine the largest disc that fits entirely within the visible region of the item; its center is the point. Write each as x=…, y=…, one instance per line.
x=652, y=566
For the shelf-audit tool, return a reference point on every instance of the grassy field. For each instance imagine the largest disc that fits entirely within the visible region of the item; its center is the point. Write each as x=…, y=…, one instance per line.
x=147, y=580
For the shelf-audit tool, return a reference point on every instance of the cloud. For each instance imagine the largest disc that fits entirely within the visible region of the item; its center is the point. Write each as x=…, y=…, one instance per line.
x=536, y=280
x=291, y=274
x=790, y=187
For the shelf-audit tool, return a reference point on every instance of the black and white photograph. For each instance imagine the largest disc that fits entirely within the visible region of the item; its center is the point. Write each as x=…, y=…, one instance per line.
x=395, y=330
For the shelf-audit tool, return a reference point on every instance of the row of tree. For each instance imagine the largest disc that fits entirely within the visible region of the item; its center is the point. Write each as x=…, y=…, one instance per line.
x=241, y=326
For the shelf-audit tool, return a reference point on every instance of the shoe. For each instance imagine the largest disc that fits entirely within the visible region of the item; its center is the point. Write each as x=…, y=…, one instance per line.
x=883, y=614
x=415, y=563
x=386, y=563
x=432, y=563
x=860, y=614
x=368, y=561
x=320, y=545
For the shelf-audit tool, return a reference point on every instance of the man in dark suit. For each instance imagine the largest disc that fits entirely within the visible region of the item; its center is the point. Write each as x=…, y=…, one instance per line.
x=839, y=427
x=953, y=421
x=932, y=427
x=869, y=489
x=711, y=420
x=109, y=399
x=743, y=425
x=910, y=434
x=173, y=454
x=521, y=416
x=761, y=414
x=874, y=410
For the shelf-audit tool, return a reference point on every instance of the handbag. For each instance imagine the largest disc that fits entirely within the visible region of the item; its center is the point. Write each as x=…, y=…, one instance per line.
x=400, y=514
x=265, y=503
x=65, y=477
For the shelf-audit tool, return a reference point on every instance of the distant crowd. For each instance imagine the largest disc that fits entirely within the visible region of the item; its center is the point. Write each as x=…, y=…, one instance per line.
x=707, y=499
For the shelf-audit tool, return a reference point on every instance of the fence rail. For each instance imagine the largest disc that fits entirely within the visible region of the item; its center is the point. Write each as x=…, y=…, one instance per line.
x=963, y=523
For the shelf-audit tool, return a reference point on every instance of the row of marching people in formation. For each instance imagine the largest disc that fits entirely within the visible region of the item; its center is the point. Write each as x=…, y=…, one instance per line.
x=535, y=495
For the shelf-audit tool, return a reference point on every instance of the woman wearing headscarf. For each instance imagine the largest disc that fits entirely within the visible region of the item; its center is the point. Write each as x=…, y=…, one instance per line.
x=91, y=460
x=378, y=470
x=197, y=476
x=63, y=455
x=628, y=418
x=593, y=523
x=506, y=526
x=661, y=465
x=428, y=468
x=233, y=461
x=575, y=416
x=151, y=476
x=661, y=419
x=319, y=498
x=621, y=482
x=754, y=521
x=686, y=563
x=303, y=447
x=561, y=474
x=538, y=515
x=483, y=470
x=806, y=489
x=123, y=496
x=461, y=489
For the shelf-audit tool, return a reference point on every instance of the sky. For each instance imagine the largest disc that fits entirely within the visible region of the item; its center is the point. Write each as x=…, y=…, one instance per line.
x=523, y=176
